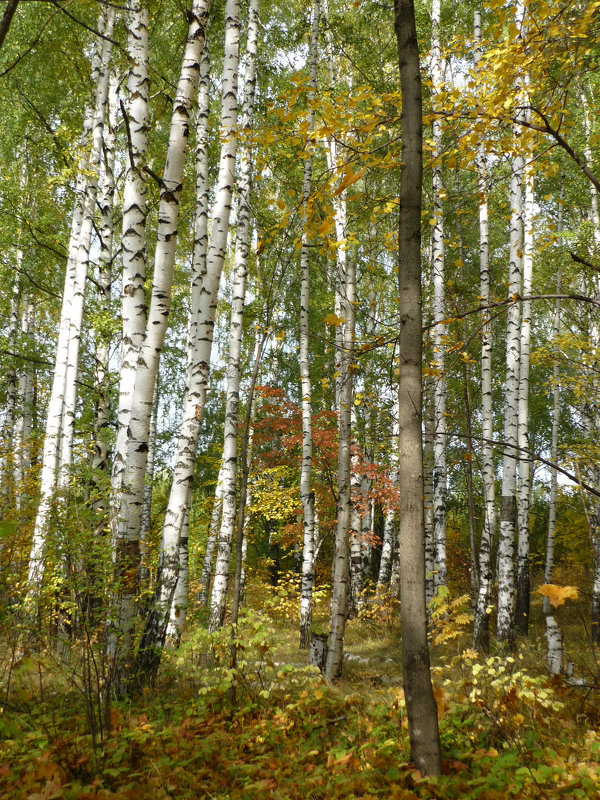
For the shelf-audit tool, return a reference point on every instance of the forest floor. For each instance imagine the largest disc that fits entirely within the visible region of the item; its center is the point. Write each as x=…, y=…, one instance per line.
x=506, y=729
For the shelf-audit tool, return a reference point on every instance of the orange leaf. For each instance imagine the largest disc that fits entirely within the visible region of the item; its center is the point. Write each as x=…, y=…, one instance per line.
x=557, y=595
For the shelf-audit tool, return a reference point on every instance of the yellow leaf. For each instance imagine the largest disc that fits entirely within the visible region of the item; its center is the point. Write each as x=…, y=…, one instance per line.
x=557, y=595
x=349, y=180
x=333, y=319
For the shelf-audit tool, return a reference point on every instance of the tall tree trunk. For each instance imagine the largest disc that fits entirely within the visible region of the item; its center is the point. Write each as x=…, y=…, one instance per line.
x=103, y=333
x=127, y=539
x=420, y=704
x=481, y=633
x=340, y=587
x=211, y=542
x=238, y=299
x=549, y=564
x=508, y=509
x=525, y=473
x=439, y=313
x=133, y=241
x=67, y=350
x=307, y=496
x=553, y=633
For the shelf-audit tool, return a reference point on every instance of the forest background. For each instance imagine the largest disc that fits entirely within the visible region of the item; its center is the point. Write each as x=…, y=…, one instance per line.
x=203, y=444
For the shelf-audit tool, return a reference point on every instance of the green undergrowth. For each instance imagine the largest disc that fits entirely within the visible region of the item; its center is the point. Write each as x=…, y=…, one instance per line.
x=272, y=728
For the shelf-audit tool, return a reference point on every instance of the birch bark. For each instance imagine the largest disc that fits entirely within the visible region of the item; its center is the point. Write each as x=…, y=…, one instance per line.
x=238, y=299
x=133, y=240
x=508, y=510
x=307, y=497
x=481, y=635
x=340, y=587
x=67, y=350
x=127, y=525
x=525, y=474
x=439, y=313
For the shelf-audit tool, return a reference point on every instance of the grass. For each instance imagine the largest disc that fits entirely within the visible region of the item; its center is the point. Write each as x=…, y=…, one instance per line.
x=507, y=730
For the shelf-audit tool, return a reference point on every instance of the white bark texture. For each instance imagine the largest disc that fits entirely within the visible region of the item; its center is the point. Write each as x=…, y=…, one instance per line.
x=127, y=527
x=211, y=542
x=307, y=497
x=67, y=349
x=549, y=564
x=508, y=510
x=439, y=313
x=525, y=470
x=102, y=336
x=339, y=589
x=242, y=244
x=133, y=242
x=481, y=623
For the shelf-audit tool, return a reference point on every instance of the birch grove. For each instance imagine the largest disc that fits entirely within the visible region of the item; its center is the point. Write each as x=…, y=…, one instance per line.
x=241, y=396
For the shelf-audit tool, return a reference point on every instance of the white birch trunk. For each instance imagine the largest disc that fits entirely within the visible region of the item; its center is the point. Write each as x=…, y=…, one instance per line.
x=67, y=349
x=211, y=542
x=439, y=313
x=133, y=242
x=242, y=243
x=508, y=510
x=12, y=386
x=131, y=494
x=356, y=567
x=24, y=427
x=525, y=474
x=307, y=497
x=339, y=589
x=481, y=624
x=385, y=565
x=102, y=337
x=146, y=515
x=549, y=564
x=67, y=427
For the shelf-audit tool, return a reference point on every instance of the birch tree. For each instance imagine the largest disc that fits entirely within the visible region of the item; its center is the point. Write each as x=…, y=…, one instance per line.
x=439, y=313
x=238, y=298
x=525, y=473
x=508, y=510
x=481, y=622
x=133, y=239
x=67, y=349
x=127, y=525
x=307, y=497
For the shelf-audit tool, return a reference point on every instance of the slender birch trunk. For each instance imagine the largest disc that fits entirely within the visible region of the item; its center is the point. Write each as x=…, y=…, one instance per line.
x=146, y=513
x=12, y=386
x=340, y=587
x=481, y=634
x=24, y=427
x=238, y=299
x=549, y=564
x=133, y=241
x=67, y=428
x=103, y=335
x=67, y=350
x=439, y=313
x=131, y=494
x=429, y=428
x=525, y=476
x=508, y=510
x=211, y=542
x=307, y=496
x=553, y=632
x=420, y=704
x=385, y=565
x=356, y=567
